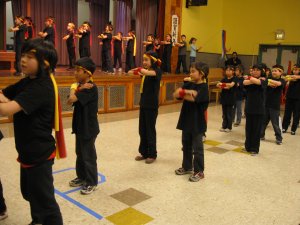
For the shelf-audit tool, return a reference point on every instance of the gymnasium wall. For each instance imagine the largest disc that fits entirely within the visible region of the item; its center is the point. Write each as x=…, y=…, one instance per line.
x=248, y=23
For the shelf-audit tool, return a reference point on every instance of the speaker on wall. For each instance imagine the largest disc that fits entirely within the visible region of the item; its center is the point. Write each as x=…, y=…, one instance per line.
x=195, y=3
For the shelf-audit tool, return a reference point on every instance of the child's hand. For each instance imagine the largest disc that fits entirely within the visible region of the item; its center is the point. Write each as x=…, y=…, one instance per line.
x=3, y=99
x=86, y=86
x=189, y=79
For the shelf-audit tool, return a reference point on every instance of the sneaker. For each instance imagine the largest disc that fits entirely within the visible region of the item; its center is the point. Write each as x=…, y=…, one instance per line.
x=227, y=130
x=150, y=160
x=253, y=153
x=139, y=158
x=278, y=142
x=3, y=215
x=203, y=138
x=182, y=171
x=262, y=138
x=283, y=130
x=236, y=124
x=222, y=130
x=196, y=177
x=88, y=189
x=120, y=70
x=76, y=182
x=293, y=132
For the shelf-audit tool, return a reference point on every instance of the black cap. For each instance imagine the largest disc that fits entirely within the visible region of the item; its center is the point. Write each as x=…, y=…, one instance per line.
x=86, y=63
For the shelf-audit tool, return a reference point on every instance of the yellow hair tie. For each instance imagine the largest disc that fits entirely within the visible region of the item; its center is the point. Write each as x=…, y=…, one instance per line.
x=80, y=67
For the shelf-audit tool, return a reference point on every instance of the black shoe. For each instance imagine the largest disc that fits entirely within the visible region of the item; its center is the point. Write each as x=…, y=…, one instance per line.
x=283, y=130
x=278, y=142
x=293, y=132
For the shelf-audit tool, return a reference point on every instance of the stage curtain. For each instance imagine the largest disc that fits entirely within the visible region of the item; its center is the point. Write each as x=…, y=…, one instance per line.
x=19, y=7
x=64, y=12
x=161, y=21
x=146, y=20
x=123, y=9
x=99, y=16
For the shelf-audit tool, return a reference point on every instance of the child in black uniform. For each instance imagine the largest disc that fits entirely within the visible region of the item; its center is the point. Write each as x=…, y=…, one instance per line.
x=85, y=125
x=49, y=32
x=228, y=86
x=106, y=49
x=32, y=102
x=3, y=213
x=118, y=51
x=272, y=105
x=149, y=44
x=130, y=50
x=292, y=105
x=167, y=52
x=29, y=24
x=84, y=39
x=240, y=95
x=255, y=98
x=150, y=86
x=69, y=38
x=181, y=55
x=19, y=30
x=192, y=121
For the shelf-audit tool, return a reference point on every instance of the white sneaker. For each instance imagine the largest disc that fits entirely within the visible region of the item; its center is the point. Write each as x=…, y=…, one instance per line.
x=120, y=69
x=227, y=130
x=222, y=130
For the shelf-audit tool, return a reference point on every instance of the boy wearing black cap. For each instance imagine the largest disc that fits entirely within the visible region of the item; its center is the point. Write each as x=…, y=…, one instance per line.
x=85, y=126
x=272, y=108
x=255, y=89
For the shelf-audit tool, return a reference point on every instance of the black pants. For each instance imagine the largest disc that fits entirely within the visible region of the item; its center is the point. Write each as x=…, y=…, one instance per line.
x=292, y=106
x=129, y=61
x=72, y=57
x=181, y=60
x=106, y=61
x=86, y=161
x=18, y=48
x=227, y=114
x=147, y=131
x=2, y=200
x=253, y=127
x=117, y=58
x=37, y=188
x=192, y=145
x=84, y=52
x=166, y=63
x=274, y=116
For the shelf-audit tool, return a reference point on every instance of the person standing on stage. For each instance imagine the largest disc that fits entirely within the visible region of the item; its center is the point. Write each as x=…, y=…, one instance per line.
x=130, y=50
x=69, y=38
x=49, y=32
x=118, y=51
x=106, y=38
x=19, y=29
x=84, y=33
x=29, y=24
x=149, y=44
x=167, y=52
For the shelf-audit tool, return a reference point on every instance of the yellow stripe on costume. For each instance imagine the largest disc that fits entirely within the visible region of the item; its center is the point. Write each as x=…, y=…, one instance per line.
x=134, y=46
x=142, y=84
x=56, y=113
x=56, y=116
